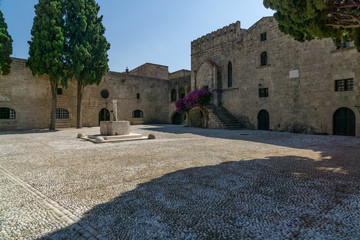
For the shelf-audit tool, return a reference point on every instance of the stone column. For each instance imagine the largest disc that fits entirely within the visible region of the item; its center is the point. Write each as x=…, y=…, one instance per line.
x=115, y=110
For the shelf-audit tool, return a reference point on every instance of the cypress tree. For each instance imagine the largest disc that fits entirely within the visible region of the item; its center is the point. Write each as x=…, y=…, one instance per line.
x=86, y=47
x=46, y=53
x=5, y=47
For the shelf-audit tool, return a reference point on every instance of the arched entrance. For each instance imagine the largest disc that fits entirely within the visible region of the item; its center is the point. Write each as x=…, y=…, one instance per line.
x=344, y=122
x=177, y=118
x=104, y=115
x=263, y=120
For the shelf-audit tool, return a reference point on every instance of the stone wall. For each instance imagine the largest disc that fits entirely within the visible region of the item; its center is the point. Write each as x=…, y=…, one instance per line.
x=300, y=77
x=152, y=71
x=30, y=97
x=177, y=84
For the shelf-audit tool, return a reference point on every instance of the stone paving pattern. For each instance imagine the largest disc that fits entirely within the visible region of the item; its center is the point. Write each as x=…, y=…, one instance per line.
x=186, y=184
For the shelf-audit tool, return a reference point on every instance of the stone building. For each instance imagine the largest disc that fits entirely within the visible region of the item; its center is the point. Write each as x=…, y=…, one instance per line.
x=143, y=97
x=260, y=79
x=269, y=81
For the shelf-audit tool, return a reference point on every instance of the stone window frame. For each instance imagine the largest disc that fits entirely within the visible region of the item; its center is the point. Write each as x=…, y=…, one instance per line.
x=59, y=91
x=7, y=113
x=105, y=94
x=264, y=59
x=182, y=93
x=137, y=114
x=263, y=92
x=263, y=37
x=173, y=97
x=137, y=95
x=230, y=74
x=344, y=85
x=62, y=113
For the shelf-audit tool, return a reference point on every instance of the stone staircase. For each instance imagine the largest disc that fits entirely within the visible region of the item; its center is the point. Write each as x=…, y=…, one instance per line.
x=226, y=118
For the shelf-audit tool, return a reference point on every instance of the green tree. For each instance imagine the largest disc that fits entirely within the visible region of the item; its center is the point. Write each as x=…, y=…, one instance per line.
x=5, y=47
x=307, y=19
x=46, y=53
x=86, y=48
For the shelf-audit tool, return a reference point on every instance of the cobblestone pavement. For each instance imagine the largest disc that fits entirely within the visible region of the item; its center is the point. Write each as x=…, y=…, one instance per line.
x=186, y=184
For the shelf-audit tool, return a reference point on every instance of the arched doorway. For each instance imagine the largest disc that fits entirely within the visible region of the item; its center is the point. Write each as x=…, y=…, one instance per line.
x=263, y=120
x=344, y=122
x=178, y=118
x=104, y=115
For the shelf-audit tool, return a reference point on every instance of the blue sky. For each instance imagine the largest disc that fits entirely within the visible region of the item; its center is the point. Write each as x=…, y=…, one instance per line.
x=140, y=31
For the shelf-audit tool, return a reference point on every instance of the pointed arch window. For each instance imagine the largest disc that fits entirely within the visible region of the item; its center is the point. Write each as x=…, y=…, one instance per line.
x=229, y=74
x=173, y=95
x=264, y=59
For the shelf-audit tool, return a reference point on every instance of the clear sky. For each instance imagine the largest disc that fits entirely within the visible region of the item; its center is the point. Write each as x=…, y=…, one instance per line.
x=140, y=31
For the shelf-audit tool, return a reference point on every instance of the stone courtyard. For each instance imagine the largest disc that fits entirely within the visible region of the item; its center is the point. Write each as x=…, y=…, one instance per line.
x=187, y=183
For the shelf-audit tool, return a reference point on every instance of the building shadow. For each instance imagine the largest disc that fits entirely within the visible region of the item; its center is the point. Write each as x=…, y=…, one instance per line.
x=288, y=197
x=21, y=132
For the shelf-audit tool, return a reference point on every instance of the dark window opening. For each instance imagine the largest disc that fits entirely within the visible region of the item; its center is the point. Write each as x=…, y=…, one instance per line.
x=182, y=93
x=173, y=95
x=7, y=113
x=138, y=95
x=104, y=94
x=344, y=85
x=264, y=60
x=263, y=92
x=62, y=113
x=263, y=37
x=230, y=74
x=137, y=114
x=59, y=91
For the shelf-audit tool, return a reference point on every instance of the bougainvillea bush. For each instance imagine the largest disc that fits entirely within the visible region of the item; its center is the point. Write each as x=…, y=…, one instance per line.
x=197, y=98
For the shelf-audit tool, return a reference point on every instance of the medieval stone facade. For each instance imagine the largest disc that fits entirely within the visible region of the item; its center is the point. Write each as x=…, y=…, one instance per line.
x=260, y=76
x=25, y=100
x=270, y=81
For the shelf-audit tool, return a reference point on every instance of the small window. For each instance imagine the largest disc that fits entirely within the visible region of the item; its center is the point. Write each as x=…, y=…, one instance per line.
x=182, y=93
x=104, y=94
x=59, y=91
x=263, y=37
x=229, y=74
x=62, y=113
x=263, y=59
x=263, y=92
x=138, y=95
x=344, y=85
x=137, y=114
x=173, y=95
x=7, y=113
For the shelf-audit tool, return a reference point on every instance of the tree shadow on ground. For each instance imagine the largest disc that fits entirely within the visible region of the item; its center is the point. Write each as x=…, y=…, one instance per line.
x=274, y=198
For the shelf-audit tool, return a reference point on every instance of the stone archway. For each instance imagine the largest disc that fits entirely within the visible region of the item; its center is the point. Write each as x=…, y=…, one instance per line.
x=263, y=120
x=104, y=115
x=177, y=118
x=344, y=122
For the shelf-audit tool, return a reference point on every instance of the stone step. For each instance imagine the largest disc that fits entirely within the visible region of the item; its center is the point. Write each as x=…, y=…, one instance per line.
x=226, y=118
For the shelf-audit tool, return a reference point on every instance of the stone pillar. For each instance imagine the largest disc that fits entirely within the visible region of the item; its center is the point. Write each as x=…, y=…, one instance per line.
x=115, y=110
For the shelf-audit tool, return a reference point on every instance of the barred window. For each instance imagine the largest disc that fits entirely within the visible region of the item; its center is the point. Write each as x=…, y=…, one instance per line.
x=344, y=85
x=7, y=113
x=137, y=114
x=62, y=113
x=59, y=91
x=263, y=92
